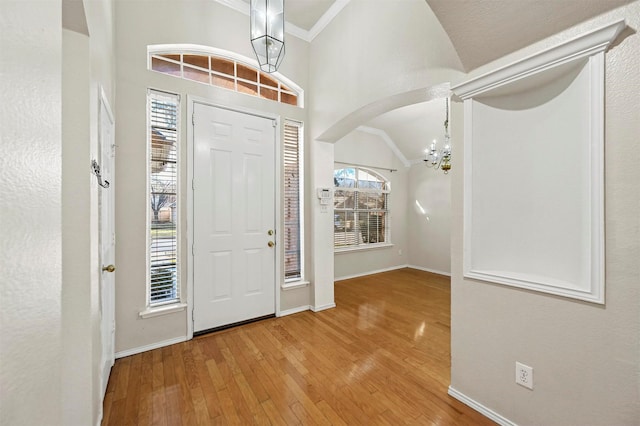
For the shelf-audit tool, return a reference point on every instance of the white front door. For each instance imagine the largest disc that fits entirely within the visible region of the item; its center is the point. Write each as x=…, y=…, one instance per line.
x=106, y=160
x=234, y=217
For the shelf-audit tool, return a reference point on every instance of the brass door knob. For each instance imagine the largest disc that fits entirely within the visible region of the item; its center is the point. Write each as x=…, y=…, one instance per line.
x=271, y=244
x=109, y=268
x=270, y=232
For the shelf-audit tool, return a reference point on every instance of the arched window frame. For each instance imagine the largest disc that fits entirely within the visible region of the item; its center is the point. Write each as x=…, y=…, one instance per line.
x=356, y=205
x=290, y=88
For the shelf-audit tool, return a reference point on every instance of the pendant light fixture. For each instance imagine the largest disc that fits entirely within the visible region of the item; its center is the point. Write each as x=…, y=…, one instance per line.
x=267, y=33
x=440, y=158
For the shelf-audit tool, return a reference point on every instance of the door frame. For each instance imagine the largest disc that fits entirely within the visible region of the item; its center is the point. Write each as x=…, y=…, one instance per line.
x=191, y=101
x=103, y=101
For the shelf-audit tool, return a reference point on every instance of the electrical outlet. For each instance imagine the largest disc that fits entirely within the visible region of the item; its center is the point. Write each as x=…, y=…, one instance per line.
x=524, y=375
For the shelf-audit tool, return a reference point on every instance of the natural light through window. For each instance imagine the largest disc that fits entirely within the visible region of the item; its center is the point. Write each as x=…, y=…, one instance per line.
x=223, y=71
x=293, y=214
x=163, y=128
x=361, y=208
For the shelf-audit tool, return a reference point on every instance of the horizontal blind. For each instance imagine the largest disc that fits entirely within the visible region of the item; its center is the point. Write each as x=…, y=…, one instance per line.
x=361, y=207
x=163, y=198
x=292, y=260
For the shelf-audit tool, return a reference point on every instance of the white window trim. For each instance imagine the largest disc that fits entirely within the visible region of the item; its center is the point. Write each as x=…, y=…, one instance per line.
x=363, y=247
x=288, y=283
x=165, y=308
x=374, y=246
x=157, y=311
x=291, y=285
x=196, y=49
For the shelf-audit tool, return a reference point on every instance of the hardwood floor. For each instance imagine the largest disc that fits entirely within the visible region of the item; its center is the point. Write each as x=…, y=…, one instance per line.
x=381, y=357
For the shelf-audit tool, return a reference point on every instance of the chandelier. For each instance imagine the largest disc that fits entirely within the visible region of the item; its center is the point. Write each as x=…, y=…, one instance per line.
x=267, y=33
x=440, y=158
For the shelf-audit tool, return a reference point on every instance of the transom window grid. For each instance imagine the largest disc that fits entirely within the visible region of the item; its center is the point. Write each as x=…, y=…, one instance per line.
x=223, y=72
x=292, y=198
x=163, y=198
x=361, y=208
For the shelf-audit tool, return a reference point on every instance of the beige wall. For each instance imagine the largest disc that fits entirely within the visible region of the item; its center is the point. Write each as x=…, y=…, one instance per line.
x=209, y=24
x=429, y=217
x=359, y=60
x=358, y=70
x=368, y=149
x=586, y=357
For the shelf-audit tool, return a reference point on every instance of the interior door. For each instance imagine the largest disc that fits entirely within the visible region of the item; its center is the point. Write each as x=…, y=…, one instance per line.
x=234, y=217
x=106, y=161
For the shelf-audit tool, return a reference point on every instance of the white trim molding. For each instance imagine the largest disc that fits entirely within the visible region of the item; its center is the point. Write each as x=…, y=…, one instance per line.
x=433, y=271
x=294, y=310
x=156, y=311
x=487, y=412
x=322, y=307
x=364, y=274
x=292, y=285
x=577, y=48
x=302, y=34
x=390, y=143
x=145, y=348
x=507, y=200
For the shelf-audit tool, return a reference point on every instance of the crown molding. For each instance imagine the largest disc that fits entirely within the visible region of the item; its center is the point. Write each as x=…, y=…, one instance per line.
x=385, y=137
x=289, y=28
x=577, y=48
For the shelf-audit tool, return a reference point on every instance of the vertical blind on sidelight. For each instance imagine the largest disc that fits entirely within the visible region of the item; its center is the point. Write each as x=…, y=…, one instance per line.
x=292, y=187
x=163, y=201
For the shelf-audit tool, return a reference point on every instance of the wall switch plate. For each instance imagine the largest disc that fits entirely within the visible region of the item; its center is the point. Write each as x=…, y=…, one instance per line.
x=524, y=375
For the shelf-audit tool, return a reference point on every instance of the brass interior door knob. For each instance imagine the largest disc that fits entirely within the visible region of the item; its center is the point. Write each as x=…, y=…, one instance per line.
x=109, y=268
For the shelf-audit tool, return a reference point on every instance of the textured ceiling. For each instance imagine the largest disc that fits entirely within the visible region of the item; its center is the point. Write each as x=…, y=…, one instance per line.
x=481, y=31
x=302, y=13
x=414, y=127
x=484, y=30
x=305, y=13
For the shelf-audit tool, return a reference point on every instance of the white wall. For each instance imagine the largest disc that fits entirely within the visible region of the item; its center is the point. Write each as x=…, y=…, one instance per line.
x=367, y=149
x=429, y=217
x=586, y=357
x=140, y=24
x=30, y=172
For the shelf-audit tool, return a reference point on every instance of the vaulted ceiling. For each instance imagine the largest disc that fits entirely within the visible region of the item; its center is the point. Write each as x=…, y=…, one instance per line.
x=480, y=31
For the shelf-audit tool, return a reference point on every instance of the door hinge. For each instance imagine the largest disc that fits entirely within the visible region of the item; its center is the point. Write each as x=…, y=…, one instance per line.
x=193, y=184
x=193, y=118
x=274, y=123
x=193, y=250
x=193, y=316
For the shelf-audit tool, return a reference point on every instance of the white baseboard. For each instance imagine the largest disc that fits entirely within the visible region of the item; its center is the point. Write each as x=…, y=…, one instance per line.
x=150, y=347
x=294, y=310
x=364, y=274
x=487, y=412
x=433, y=271
x=322, y=307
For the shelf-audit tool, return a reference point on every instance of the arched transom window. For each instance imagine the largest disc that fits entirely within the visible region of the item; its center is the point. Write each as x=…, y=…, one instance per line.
x=223, y=69
x=361, y=208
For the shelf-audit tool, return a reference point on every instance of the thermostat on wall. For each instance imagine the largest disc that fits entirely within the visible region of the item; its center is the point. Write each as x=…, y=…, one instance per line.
x=324, y=195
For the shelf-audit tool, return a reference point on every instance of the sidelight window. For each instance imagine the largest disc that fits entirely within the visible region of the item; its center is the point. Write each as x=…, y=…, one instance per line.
x=163, y=140
x=292, y=200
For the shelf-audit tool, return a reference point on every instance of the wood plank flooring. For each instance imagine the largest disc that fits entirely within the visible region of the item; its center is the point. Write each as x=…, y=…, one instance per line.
x=381, y=357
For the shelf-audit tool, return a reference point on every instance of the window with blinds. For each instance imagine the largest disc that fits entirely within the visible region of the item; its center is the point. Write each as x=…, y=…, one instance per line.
x=163, y=118
x=361, y=208
x=292, y=197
